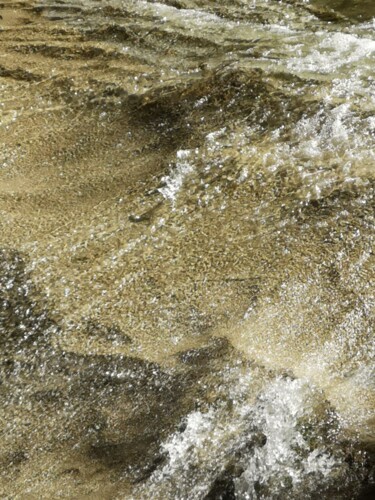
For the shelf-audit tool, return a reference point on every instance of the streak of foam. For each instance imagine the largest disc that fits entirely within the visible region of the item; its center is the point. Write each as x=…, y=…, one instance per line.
x=175, y=180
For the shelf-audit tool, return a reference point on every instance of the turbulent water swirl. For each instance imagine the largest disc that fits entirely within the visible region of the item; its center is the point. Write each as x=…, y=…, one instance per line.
x=187, y=249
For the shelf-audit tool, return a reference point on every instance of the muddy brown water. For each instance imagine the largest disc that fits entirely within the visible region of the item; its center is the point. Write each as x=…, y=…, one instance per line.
x=187, y=249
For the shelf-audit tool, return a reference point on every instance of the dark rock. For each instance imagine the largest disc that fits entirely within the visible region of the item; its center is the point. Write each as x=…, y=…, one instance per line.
x=23, y=318
x=204, y=354
x=367, y=493
x=16, y=458
x=111, y=333
x=73, y=471
x=223, y=488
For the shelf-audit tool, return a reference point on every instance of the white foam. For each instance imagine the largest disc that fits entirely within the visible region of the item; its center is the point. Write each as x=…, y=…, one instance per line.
x=196, y=456
x=332, y=52
x=286, y=453
x=175, y=180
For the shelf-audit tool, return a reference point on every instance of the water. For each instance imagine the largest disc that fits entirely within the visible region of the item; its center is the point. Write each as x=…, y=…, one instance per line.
x=186, y=249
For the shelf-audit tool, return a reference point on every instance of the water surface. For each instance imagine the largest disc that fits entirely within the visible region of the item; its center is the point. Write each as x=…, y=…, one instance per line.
x=187, y=249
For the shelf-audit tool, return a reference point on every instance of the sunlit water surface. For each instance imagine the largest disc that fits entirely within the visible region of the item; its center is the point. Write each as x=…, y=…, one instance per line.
x=187, y=249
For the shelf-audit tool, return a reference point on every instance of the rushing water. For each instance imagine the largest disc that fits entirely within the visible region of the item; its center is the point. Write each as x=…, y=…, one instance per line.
x=187, y=249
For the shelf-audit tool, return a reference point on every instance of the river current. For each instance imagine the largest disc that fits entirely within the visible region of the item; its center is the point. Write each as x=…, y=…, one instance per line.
x=187, y=280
